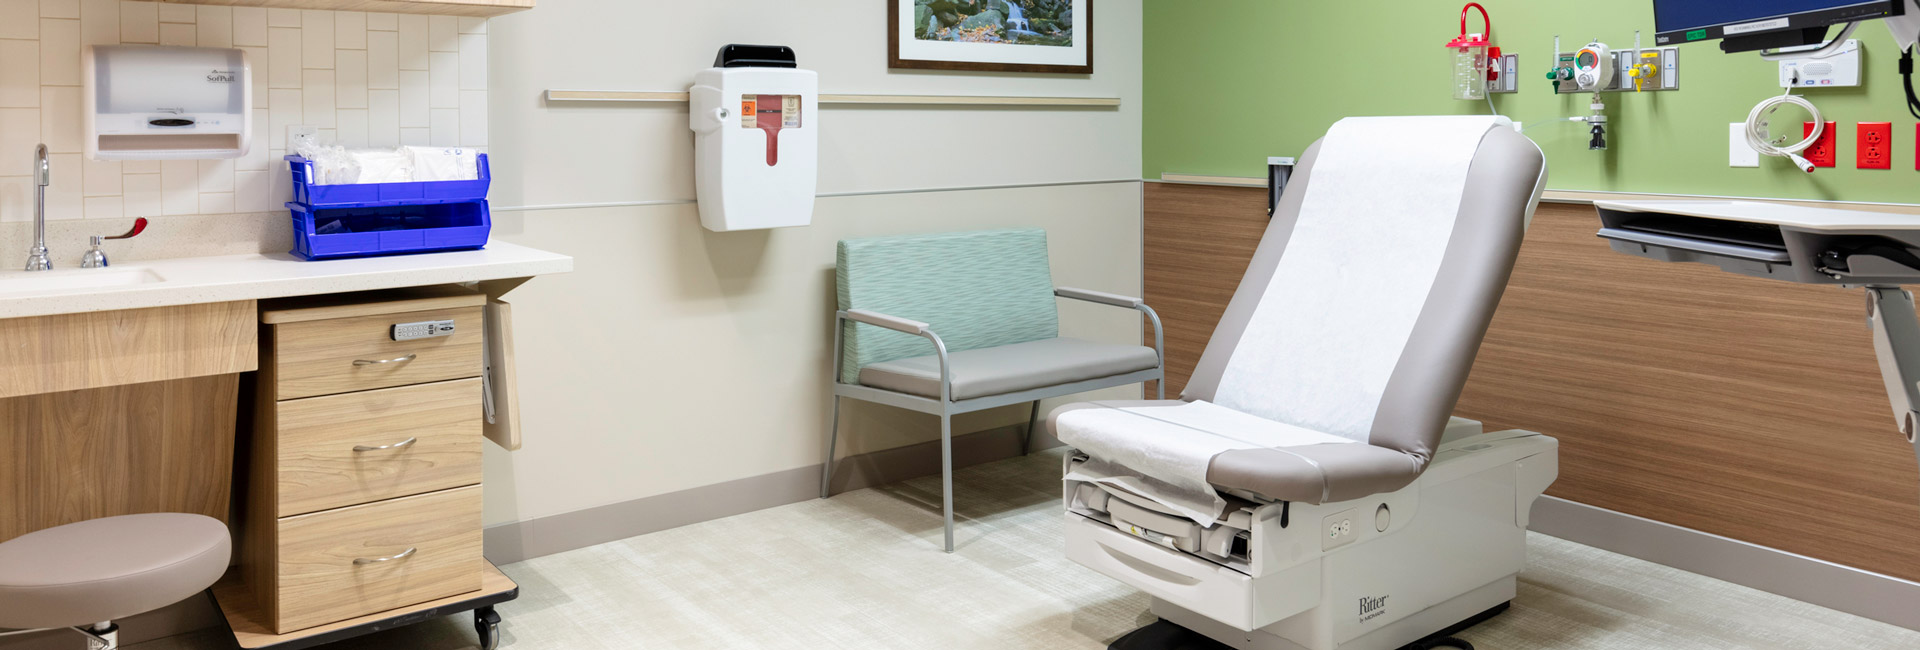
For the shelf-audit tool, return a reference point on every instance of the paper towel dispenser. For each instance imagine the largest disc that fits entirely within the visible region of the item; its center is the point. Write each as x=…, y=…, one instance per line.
x=149, y=102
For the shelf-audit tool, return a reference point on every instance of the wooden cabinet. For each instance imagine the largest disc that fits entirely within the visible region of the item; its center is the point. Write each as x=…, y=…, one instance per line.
x=119, y=412
x=474, y=8
x=363, y=486
x=342, y=450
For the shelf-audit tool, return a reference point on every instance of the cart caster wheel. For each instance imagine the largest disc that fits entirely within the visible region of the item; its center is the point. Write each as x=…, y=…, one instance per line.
x=487, y=623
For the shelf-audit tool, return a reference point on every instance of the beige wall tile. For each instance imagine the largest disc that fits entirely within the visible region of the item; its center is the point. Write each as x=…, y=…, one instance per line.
x=139, y=22
x=59, y=52
x=350, y=78
x=59, y=8
x=100, y=177
x=350, y=30
x=176, y=13
x=316, y=37
x=20, y=19
x=250, y=26
x=215, y=25
x=104, y=207
x=19, y=131
x=99, y=22
x=142, y=198
x=61, y=121
x=19, y=83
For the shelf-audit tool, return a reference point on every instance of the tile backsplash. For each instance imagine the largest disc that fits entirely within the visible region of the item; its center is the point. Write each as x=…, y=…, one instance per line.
x=364, y=79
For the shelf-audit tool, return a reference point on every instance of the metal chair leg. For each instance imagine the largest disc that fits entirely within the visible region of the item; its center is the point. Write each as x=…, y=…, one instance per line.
x=833, y=434
x=946, y=473
x=1033, y=425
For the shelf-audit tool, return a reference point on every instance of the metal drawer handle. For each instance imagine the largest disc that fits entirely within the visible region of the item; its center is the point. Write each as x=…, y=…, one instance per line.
x=371, y=362
x=376, y=560
x=404, y=443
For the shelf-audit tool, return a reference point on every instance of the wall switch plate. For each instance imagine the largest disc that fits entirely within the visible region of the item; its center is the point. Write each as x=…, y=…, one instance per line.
x=1739, y=153
x=1822, y=153
x=1874, y=145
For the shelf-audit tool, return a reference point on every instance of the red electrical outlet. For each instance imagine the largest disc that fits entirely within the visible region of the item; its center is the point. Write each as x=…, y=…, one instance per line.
x=1821, y=154
x=1874, y=147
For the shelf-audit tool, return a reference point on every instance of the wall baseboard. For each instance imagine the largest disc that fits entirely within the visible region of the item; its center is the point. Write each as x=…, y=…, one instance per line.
x=1866, y=594
x=523, y=540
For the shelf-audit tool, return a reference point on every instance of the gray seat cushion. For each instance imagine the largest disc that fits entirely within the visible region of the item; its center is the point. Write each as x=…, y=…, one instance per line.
x=1010, y=368
x=1319, y=473
x=108, y=568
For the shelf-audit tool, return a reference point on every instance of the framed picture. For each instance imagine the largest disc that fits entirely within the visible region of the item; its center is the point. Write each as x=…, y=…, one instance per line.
x=991, y=35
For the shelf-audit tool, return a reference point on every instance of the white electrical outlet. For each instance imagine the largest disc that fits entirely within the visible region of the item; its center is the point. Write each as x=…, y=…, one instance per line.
x=1338, y=530
x=1739, y=153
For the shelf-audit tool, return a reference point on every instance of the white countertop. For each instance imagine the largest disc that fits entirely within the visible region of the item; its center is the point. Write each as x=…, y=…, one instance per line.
x=1779, y=214
x=162, y=283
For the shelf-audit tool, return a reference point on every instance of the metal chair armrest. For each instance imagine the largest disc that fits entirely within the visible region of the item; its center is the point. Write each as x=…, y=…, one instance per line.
x=878, y=319
x=1101, y=297
x=904, y=325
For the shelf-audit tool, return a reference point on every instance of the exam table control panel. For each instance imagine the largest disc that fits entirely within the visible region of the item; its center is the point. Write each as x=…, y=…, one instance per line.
x=1770, y=240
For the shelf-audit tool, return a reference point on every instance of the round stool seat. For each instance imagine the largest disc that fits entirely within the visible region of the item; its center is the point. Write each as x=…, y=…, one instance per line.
x=108, y=568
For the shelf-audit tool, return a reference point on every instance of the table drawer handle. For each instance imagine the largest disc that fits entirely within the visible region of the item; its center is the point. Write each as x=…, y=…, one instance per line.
x=372, y=362
x=404, y=443
x=376, y=560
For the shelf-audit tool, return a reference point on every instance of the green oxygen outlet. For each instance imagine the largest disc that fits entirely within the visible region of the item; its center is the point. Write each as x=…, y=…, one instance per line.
x=1557, y=75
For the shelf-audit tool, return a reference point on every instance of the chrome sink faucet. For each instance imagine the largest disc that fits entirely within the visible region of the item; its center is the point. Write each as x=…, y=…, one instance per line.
x=37, y=259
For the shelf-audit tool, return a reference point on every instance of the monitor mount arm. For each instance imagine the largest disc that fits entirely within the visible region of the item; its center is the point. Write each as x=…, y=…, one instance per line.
x=1825, y=50
x=1896, y=342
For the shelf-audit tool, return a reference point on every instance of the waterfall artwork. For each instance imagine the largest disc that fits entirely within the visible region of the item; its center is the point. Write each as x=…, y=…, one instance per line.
x=991, y=35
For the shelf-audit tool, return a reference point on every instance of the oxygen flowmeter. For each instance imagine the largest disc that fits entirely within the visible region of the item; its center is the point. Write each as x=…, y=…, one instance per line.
x=1475, y=58
x=756, y=146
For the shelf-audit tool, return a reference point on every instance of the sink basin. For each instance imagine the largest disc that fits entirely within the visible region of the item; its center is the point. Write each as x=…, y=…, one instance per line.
x=74, y=280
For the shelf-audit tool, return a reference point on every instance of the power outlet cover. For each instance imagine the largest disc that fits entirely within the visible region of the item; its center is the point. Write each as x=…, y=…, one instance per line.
x=1873, y=145
x=1339, y=530
x=1822, y=153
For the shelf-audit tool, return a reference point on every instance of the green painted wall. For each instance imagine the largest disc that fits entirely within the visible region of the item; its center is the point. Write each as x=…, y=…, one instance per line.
x=1230, y=82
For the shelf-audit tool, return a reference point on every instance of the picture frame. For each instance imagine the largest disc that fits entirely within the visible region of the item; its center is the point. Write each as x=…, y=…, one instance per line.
x=1031, y=36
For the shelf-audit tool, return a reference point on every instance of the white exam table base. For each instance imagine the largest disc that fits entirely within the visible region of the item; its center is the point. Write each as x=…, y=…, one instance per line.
x=1456, y=541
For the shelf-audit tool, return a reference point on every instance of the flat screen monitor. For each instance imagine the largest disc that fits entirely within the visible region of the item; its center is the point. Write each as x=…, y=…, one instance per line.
x=1686, y=21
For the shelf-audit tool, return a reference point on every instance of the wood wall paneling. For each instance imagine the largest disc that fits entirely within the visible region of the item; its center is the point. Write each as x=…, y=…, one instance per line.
x=1737, y=406
x=1199, y=240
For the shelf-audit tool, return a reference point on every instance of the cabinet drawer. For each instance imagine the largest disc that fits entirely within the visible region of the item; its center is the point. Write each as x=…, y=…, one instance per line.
x=320, y=582
x=340, y=355
x=326, y=446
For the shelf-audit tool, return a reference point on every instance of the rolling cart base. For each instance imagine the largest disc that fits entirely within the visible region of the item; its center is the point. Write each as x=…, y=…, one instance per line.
x=251, y=633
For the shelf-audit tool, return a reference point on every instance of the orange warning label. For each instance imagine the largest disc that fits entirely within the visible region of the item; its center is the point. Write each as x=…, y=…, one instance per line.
x=749, y=116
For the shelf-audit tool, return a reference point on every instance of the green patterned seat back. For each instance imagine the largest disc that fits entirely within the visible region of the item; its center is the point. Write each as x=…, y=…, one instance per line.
x=977, y=289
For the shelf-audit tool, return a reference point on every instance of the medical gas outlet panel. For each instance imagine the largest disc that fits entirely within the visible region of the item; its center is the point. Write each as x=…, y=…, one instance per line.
x=1658, y=69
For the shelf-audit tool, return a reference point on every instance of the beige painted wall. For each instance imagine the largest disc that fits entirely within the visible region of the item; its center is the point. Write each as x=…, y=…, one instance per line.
x=674, y=357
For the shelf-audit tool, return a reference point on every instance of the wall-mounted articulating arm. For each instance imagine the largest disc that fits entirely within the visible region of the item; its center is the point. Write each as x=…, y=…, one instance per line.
x=1896, y=342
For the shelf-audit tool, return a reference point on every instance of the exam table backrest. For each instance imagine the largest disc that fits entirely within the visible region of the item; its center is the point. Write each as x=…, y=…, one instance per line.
x=976, y=289
x=1503, y=185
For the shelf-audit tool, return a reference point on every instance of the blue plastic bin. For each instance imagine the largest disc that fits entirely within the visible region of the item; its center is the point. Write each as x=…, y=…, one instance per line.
x=376, y=194
x=364, y=231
